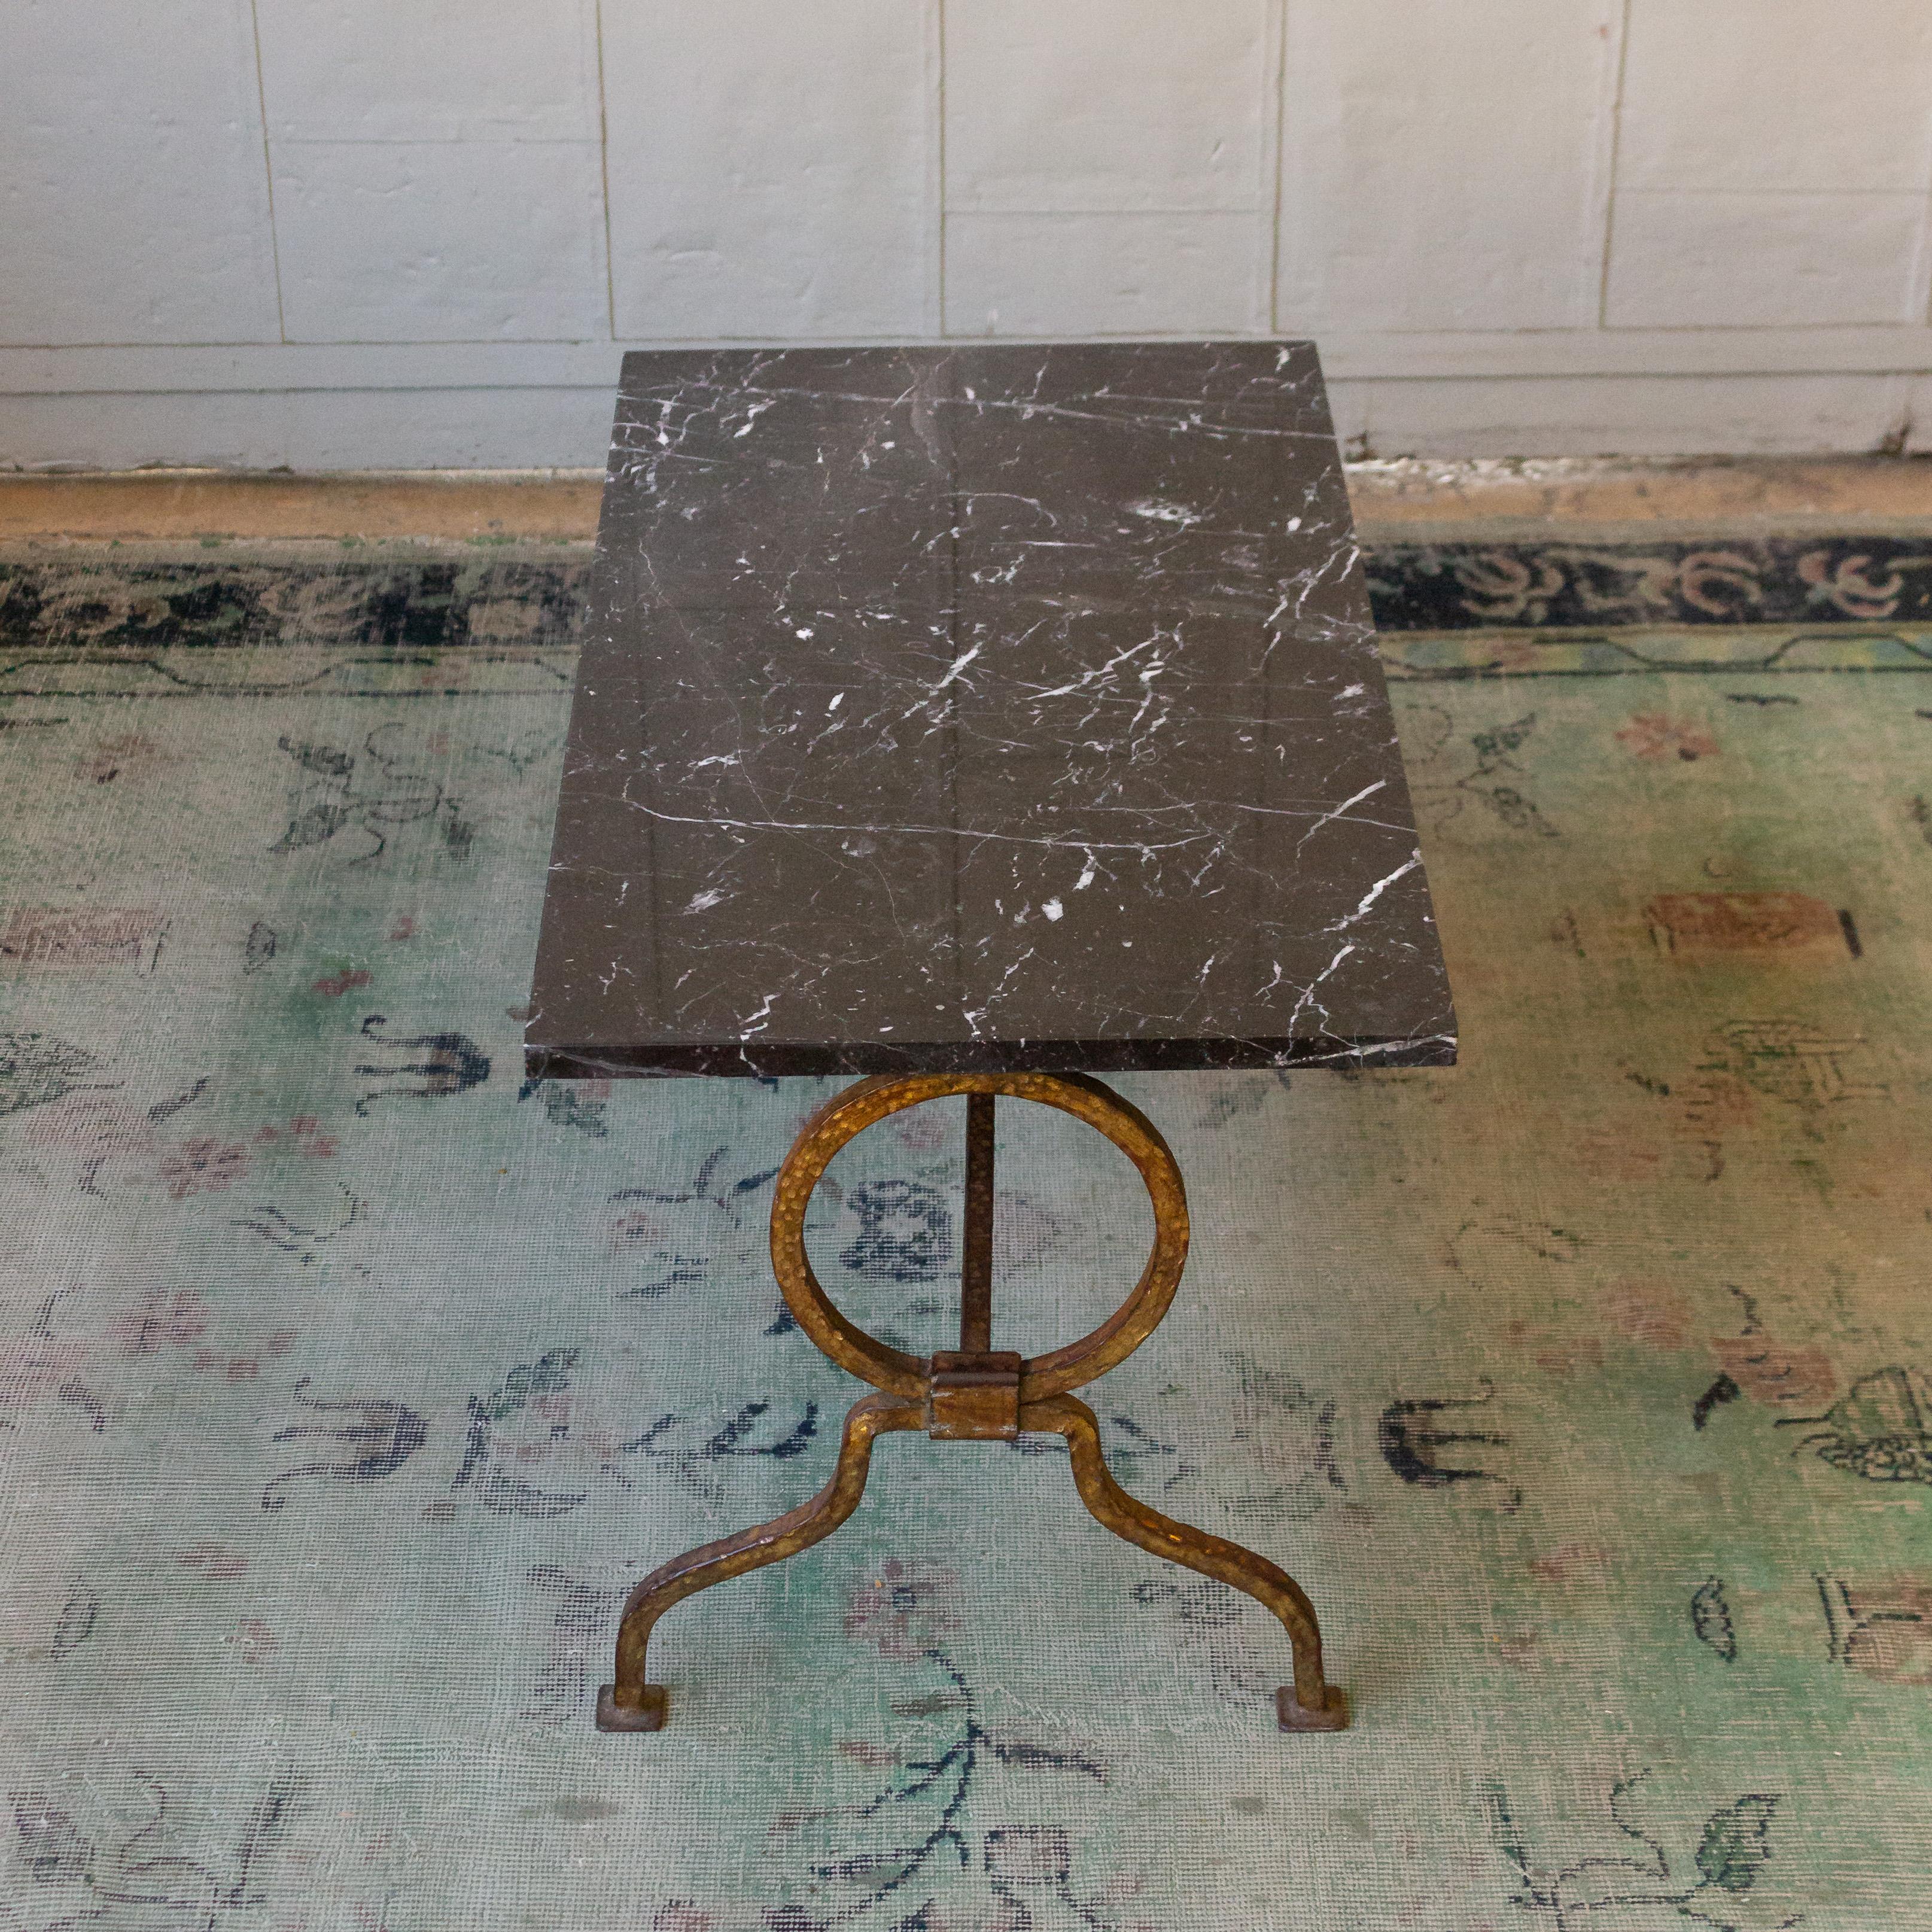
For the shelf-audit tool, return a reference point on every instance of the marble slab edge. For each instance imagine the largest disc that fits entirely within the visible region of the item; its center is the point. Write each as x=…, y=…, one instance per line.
x=777, y=1059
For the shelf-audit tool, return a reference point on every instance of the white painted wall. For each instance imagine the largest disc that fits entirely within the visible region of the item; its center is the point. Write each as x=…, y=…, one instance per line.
x=349, y=233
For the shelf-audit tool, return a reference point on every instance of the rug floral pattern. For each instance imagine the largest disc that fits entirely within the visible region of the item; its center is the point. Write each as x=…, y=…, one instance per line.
x=347, y=1379
x=1726, y=581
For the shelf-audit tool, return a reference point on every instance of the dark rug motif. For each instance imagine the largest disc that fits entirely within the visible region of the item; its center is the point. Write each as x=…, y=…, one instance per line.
x=106, y=605
x=1774, y=580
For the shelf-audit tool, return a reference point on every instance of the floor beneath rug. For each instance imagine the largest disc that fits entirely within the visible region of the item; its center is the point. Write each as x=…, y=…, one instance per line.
x=347, y=1379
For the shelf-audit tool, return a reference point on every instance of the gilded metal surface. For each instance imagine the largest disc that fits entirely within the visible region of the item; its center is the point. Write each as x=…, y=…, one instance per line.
x=975, y=1398
x=669, y=1583
x=976, y=1393
x=848, y=1115
x=1126, y=1516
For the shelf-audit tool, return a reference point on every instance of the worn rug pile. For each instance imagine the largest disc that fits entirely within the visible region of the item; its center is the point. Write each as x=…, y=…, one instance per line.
x=347, y=1379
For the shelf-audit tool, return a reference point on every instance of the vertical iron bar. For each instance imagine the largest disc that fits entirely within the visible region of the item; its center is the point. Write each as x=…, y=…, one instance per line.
x=975, y=1262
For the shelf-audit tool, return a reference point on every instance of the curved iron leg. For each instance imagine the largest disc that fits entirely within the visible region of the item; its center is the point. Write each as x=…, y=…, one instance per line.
x=1311, y=1704
x=632, y=1705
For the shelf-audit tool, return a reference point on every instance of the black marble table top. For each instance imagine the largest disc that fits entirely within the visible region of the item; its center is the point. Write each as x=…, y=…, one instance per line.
x=972, y=708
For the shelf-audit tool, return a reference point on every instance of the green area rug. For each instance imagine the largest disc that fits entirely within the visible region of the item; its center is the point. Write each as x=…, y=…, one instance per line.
x=347, y=1379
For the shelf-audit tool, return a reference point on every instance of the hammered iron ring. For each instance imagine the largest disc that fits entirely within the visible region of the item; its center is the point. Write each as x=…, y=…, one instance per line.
x=848, y=1114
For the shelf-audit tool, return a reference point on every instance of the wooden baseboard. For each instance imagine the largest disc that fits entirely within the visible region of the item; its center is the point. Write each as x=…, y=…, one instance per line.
x=1399, y=497
x=165, y=505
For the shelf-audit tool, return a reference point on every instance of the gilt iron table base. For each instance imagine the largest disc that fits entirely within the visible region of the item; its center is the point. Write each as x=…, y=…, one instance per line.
x=975, y=1393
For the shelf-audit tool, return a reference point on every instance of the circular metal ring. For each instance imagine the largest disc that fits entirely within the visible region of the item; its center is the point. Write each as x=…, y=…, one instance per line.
x=848, y=1114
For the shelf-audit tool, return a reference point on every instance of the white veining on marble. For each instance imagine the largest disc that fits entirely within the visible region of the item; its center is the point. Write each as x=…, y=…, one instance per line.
x=1015, y=703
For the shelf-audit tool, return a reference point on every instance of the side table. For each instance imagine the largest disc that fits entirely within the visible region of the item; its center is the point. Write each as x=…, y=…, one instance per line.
x=977, y=721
